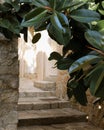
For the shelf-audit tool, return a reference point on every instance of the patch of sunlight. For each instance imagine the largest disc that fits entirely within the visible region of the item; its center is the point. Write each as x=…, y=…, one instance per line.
x=43, y=44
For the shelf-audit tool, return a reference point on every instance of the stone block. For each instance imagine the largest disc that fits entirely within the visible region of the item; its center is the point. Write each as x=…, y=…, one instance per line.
x=9, y=81
x=40, y=106
x=10, y=118
x=9, y=96
x=13, y=69
x=11, y=127
x=54, y=105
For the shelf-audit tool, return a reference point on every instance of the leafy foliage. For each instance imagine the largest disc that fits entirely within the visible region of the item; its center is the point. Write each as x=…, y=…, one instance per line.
x=76, y=25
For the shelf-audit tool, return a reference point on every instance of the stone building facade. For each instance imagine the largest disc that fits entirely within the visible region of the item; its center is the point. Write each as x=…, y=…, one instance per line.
x=9, y=83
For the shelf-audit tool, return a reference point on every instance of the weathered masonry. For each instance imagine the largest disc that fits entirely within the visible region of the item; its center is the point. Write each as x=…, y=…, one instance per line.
x=9, y=83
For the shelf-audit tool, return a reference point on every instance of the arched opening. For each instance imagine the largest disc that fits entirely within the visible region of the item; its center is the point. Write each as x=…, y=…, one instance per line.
x=36, y=72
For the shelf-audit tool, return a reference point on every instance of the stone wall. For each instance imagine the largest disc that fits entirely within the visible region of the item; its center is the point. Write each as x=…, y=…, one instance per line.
x=95, y=111
x=61, y=83
x=9, y=83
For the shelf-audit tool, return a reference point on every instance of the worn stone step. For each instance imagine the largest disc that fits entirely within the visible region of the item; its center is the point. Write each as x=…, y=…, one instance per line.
x=64, y=126
x=36, y=94
x=50, y=116
x=45, y=85
x=41, y=103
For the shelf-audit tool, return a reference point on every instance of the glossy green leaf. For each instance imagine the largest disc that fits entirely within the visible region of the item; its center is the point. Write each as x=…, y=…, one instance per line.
x=40, y=3
x=83, y=62
x=55, y=56
x=69, y=92
x=7, y=33
x=60, y=28
x=56, y=23
x=53, y=3
x=96, y=78
x=59, y=37
x=85, y=15
x=35, y=17
x=100, y=25
x=100, y=90
x=74, y=5
x=101, y=11
x=4, y=8
x=25, y=1
x=11, y=24
x=69, y=4
x=63, y=19
x=64, y=64
x=102, y=4
x=72, y=83
x=15, y=4
x=36, y=37
x=43, y=25
x=80, y=95
x=61, y=4
x=95, y=38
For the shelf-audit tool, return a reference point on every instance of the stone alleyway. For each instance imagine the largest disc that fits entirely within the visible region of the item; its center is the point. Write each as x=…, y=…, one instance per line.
x=42, y=110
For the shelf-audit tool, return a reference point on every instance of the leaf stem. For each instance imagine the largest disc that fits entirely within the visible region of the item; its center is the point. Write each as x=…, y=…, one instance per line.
x=48, y=8
x=102, y=53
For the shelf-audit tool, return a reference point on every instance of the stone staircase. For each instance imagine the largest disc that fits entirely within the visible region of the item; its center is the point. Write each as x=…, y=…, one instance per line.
x=45, y=85
x=42, y=107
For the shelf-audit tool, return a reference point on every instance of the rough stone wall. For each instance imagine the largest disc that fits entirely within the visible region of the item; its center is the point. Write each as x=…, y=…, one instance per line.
x=61, y=84
x=95, y=115
x=9, y=83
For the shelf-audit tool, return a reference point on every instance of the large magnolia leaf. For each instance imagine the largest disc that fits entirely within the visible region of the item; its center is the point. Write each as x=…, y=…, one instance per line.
x=53, y=3
x=36, y=37
x=76, y=4
x=64, y=64
x=100, y=25
x=60, y=28
x=72, y=5
x=55, y=56
x=95, y=38
x=101, y=11
x=83, y=62
x=69, y=92
x=7, y=33
x=63, y=19
x=59, y=37
x=80, y=95
x=11, y=24
x=15, y=4
x=56, y=23
x=102, y=4
x=40, y=3
x=4, y=8
x=96, y=79
x=85, y=15
x=60, y=22
x=35, y=17
x=25, y=1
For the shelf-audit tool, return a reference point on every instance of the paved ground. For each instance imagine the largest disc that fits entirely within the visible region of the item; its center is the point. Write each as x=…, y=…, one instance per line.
x=65, y=126
x=26, y=85
x=71, y=126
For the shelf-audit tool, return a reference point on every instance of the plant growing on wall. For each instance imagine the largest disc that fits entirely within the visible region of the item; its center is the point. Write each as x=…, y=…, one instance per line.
x=77, y=26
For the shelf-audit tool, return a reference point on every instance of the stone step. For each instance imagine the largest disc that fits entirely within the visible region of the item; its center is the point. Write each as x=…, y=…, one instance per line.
x=64, y=126
x=36, y=94
x=45, y=85
x=50, y=116
x=41, y=103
